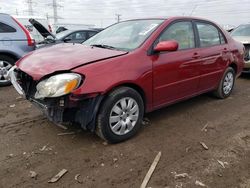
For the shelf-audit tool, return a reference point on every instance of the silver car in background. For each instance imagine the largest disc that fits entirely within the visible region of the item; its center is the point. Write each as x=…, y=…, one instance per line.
x=15, y=42
x=242, y=34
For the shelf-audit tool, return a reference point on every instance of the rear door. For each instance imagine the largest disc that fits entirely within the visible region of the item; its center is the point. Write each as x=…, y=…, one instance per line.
x=214, y=55
x=176, y=74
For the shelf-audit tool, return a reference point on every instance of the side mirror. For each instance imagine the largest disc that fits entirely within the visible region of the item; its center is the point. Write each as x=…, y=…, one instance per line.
x=170, y=45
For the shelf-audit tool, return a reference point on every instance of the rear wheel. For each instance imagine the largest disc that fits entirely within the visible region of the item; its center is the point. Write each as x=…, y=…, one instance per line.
x=6, y=63
x=120, y=115
x=226, y=84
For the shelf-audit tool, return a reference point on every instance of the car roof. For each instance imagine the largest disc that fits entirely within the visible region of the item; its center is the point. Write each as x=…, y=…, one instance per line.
x=171, y=18
x=4, y=14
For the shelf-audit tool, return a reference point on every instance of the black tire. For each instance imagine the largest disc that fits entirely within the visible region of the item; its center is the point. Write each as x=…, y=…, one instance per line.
x=103, y=128
x=220, y=93
x=11, y=61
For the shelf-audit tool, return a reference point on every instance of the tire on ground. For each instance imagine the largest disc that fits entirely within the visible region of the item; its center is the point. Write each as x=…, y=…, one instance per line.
x=219, y=93
x=103, y=128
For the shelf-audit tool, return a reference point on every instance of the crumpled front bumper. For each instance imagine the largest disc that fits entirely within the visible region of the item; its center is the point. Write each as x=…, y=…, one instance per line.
x=81, y=109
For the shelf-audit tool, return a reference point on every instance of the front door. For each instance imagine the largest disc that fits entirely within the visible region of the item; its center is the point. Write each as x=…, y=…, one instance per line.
x=176, y=74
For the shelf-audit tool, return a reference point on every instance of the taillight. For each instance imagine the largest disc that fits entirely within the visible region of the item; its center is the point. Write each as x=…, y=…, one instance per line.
x=30, y=40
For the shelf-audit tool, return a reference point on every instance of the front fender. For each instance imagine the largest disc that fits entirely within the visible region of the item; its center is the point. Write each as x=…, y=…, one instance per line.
x=103, y=76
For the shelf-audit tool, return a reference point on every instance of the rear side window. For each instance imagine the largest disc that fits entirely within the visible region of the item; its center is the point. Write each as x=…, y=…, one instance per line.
x=209, y=35
x=4, y=28
x=182, y=32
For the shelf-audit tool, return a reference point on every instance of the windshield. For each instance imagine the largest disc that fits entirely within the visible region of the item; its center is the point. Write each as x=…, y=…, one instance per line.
x=63, y=34
x=126, y=36
x=242, y=30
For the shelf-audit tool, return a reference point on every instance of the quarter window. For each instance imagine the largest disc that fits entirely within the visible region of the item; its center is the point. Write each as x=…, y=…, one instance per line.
x=4, y=28
x=209, y=35
x=182, y=32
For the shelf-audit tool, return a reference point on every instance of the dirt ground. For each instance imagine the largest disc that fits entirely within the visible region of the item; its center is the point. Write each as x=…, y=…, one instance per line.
x=29, y=142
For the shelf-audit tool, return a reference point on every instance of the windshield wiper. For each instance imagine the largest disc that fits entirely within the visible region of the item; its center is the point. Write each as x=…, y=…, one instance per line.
x=103, y=46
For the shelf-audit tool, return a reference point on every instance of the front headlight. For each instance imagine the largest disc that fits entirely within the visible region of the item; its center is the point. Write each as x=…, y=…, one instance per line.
x=57, y=85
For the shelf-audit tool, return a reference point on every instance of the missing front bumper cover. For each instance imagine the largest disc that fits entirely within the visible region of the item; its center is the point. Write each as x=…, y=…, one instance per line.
x=82, y=112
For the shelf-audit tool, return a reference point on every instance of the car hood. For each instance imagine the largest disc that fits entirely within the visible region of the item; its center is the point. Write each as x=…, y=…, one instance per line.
x=242, y=39
x=63, y=57
x=41, y=29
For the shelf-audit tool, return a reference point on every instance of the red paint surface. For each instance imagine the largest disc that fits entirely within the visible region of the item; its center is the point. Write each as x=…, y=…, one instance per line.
x=164, y=78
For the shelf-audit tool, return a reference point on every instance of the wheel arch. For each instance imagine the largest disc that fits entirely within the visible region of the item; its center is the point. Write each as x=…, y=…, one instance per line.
x=234, y=66
x=92, y=124
x=9, y=54
x=134, y=86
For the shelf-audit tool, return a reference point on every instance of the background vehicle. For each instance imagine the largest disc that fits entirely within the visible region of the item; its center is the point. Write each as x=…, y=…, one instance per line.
x=132, y=67
x=69, y=36
x=76, y=36
x=242, y=34
x=15, y=42
x=24, y=20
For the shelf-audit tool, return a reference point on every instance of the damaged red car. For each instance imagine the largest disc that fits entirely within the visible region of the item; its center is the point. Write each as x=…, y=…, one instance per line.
x=133, y=67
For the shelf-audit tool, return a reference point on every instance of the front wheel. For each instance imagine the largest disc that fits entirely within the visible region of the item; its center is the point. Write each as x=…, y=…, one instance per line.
x=120, y=115
x=226, y=84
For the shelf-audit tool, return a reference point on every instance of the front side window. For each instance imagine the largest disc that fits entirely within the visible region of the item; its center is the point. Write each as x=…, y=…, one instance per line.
x=126, y=36
x=182, y=32
x=4, y=28
x=209, y=35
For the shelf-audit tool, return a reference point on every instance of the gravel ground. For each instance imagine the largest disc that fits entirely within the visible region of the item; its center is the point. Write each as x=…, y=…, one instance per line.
x=29, y=142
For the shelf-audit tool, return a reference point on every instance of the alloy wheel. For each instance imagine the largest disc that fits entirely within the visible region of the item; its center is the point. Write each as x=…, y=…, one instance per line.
x=124, y=116
x=4, y=68
x=228, y=83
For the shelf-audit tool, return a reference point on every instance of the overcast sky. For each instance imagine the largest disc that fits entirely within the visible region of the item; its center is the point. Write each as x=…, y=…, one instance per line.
x=103, y=12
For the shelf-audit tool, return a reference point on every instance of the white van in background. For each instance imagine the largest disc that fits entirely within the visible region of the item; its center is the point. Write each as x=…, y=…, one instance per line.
x=24, y=20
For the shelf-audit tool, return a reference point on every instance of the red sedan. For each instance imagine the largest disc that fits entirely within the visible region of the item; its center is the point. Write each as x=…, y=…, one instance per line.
x=133, y=67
